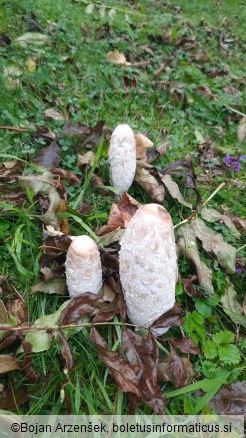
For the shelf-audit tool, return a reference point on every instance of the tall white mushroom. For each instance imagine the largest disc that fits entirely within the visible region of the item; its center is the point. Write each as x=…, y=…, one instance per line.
x=83, y=267
x=122, y=158
x=148, y=265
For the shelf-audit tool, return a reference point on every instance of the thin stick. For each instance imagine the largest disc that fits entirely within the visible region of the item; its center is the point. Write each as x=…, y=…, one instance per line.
x=242, y=247
x=12, y=128
x=201, y=206
x=66, y=326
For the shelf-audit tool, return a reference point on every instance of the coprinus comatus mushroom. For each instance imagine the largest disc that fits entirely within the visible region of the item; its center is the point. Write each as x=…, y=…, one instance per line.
x=122, y=158
x=83, y=267
x=148, y=265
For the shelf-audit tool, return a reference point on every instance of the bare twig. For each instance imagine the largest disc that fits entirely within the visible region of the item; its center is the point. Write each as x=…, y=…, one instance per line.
x=200, y=207
x=12, y=128
x=62, y=327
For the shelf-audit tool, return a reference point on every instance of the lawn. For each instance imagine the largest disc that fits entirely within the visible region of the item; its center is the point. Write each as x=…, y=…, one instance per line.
x=178, y=78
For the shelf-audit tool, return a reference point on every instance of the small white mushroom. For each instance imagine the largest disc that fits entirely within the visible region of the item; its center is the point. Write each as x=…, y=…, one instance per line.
x=148, y=265
x=122, y=158
x=83, y=267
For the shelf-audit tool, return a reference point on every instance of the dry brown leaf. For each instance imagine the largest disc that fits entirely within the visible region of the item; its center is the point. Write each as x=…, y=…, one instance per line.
x=49, y=157
x=142, y=144
x=230, y=399
x=213, y=242
x=165, y=374
x=8, y=363
x=187, y=246
x=86, y=159
x=120, y=214
x=117, y=58
x=231, y=305
x=241, y=130
x=54, y=286
x=238, y=221
x=10, y=169
x=212, y=215
x=150, y=184
x=51, y=113
x=173, y=189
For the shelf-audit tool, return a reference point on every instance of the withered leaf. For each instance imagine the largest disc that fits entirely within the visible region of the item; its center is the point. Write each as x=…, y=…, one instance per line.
x=117, y=58
x=212, y=215
x=183, y=168
x=239, y=222
x=149, y=183
x=110, y=264
x=120, y=214
x=66, y=352
x=165, y=374
x=76, y=129
x=53, y=286
x=27, y=361
x=213, y=242
x=53, y=114
x=86, y=159
x=8, y=363
x=142, y=144
x=230, y=399
x=173, y=317
x=231, y=306
x=191, y=289
x=173, y=189
x=10, y=400
x=10, y=169
x=49, y=157
x=17, y=311
x=158, y=71
x=66, y=174
x=123, y=374
x=241, y=130
x=177, y=368
x=79, y=306
x=187, y=246
x=186, y=345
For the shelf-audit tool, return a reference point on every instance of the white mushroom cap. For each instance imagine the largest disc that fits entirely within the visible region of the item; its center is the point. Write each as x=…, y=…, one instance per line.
x=83, y=267
x=148, y=265
x=122, y=158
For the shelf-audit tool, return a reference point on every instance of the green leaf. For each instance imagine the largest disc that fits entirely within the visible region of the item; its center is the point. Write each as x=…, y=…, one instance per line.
x=203, y=308
x=229, y=354
x=209, y=369
x=209, y=349
x=223, y=337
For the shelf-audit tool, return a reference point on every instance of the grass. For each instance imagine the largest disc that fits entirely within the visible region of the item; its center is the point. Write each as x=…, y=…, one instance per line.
x=72, y=75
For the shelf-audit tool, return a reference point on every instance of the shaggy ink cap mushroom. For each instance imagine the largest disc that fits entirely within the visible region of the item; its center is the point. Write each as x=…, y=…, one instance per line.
x=83, y=267
x=148, y=265
x=122, y=158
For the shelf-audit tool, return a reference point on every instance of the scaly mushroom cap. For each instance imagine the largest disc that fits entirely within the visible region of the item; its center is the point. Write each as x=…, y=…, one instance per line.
x=148, y=265
x=122, y=158
x=83, y=267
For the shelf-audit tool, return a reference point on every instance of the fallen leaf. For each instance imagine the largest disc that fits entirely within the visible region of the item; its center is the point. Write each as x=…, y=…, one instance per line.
x=66, y=352
x=183, y=168
x=86, y=159
x=212, y=215
x=66, y=174
x=177, y=368
x=187, y=246
x=11, y=400
x=44, y=131
x=97, y=182
x=75, y=130
x=111, y=237
x=120, y=214
x=239, y=222
x=192, y=290
x=149, y=183
x=122, y=373
x=41, y=183
x=27, y=361
x=186, y=345
x=230, y=399
x=32, y=38
x=54, y=286
x=173, y=189
x=174, y=317
x=79, y=306
x=117, y=58
x=165, y=374
x=10, y=169
x=51, y=113
x=3, y=313
x=17, y=311
x=241, y=130
x=231, y=305
x=49, y=157
x=8, y=363
x=213, y=242
x=142, y=144
x=158, y=71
